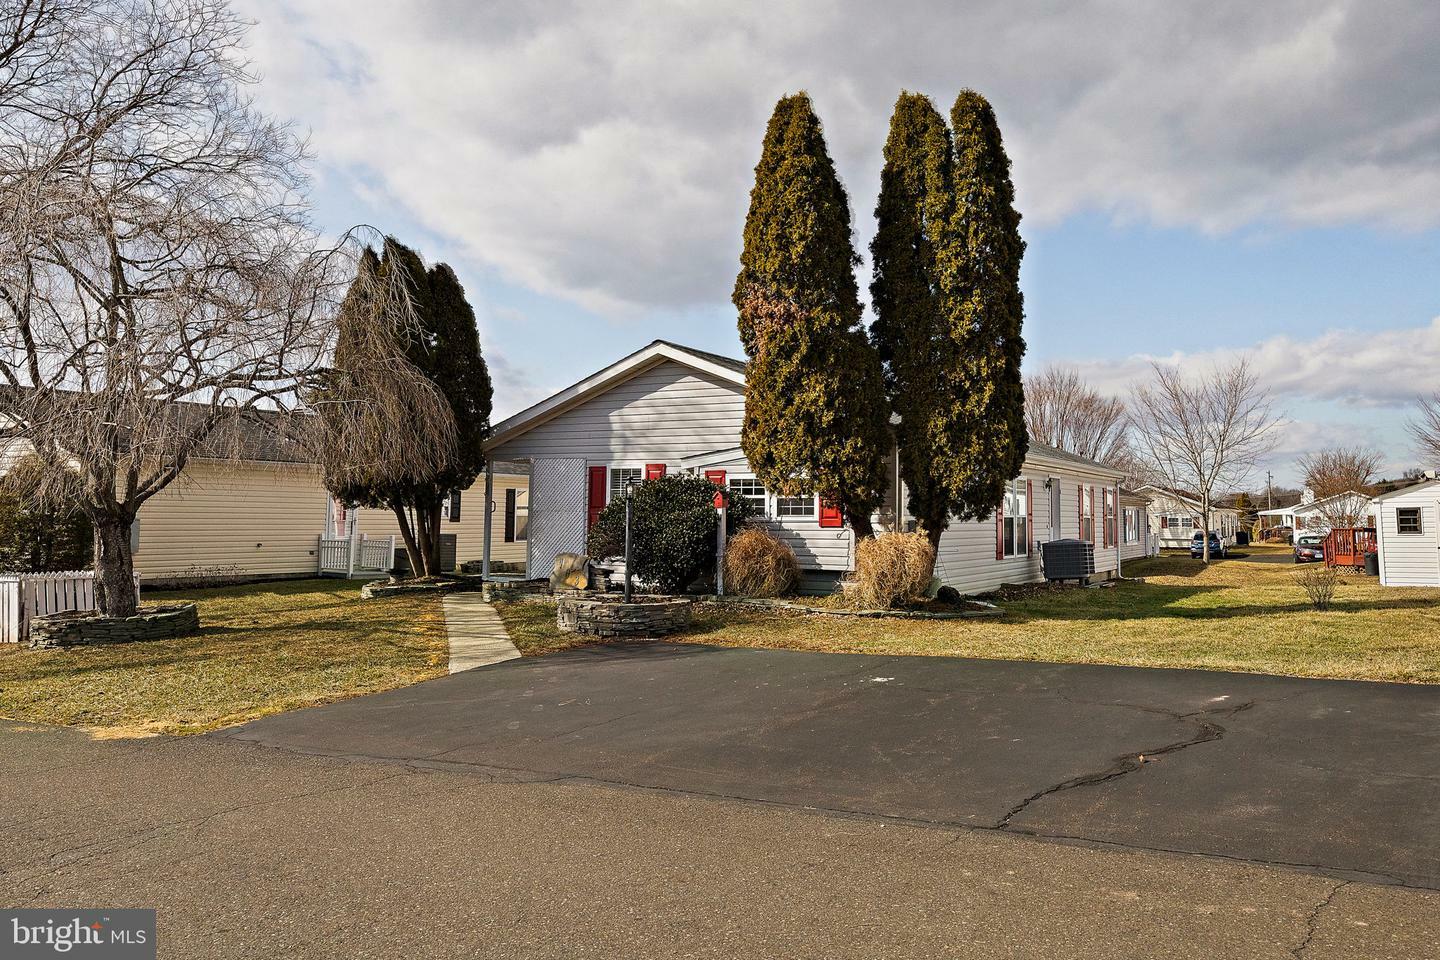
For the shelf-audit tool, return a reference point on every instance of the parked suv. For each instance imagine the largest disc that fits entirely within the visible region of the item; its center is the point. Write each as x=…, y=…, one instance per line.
x=1309, y=547
x=1197, y=546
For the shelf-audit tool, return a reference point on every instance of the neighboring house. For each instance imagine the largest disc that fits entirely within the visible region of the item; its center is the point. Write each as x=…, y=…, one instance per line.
x=1175, y=517
x=1408, y=533
x=1136, y=539
x=262, y=516
x=1311, y=516
x=668, y=408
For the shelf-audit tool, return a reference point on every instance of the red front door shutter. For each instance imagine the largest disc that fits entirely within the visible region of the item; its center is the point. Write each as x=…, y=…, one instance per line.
x=830, y=514
x=654, y=471
x=597, y=493
x=717, y=477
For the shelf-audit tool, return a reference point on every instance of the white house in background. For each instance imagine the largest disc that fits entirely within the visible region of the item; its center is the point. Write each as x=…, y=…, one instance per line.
x=670, y=408
x=1408, y=531
x=1309, y=515
x=1175, y=518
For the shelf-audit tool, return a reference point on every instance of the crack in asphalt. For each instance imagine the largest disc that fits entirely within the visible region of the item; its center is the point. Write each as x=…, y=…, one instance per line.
x=1207, y=731
x=1312, y=922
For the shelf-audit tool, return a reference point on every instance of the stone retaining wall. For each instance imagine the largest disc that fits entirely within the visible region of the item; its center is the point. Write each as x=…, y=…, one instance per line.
x=615, y=618
x=78, y=628
x=376, y=589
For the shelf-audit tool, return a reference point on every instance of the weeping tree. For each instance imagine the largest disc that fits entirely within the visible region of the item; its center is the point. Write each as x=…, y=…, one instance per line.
x=160, y=283
x=910, y=332
x=432, y=330
x=816, y=420
x=978, y=271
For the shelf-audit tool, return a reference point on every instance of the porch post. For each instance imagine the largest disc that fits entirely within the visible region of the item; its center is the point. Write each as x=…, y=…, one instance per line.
x=489, y=509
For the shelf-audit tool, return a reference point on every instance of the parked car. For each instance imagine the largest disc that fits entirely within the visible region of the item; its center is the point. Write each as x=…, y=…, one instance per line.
x=1309, y=547
x=1197, y=546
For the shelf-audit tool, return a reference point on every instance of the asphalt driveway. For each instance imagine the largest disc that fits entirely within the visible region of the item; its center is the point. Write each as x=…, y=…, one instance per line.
x=1341, y=778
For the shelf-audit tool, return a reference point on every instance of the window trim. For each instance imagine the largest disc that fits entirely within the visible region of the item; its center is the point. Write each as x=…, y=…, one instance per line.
x=1015, y=524
x=611, y=493
x=814, y=513
x=763, y=501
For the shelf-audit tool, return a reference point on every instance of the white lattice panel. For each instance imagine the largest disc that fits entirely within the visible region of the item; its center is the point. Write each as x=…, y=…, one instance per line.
x=557, y=513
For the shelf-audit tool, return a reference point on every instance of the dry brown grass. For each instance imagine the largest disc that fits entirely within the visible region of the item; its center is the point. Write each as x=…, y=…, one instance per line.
x=1231, y=615
x=757, y=564
x=893, y=569
x=262, y=649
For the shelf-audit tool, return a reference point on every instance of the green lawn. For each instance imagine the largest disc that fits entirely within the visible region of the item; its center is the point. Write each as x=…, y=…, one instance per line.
x=262, y=649
x=1232, y=615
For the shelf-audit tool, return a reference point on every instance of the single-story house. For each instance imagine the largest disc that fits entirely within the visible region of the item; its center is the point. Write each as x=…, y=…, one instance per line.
x=264, y=516
x=1408, y=534
x=1175, y=517
x=1309, y=516
x=672, y=408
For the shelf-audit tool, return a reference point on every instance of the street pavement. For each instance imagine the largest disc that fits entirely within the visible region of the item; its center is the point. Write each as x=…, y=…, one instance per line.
x=661, y=801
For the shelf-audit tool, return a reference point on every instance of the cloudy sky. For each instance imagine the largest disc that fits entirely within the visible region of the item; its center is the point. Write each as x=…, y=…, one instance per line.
x=1197, y=179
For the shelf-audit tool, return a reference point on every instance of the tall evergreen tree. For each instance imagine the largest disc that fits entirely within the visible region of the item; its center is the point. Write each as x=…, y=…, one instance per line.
x=815, y=413
x=978, y=268
x=442, y=342
x=911, y=335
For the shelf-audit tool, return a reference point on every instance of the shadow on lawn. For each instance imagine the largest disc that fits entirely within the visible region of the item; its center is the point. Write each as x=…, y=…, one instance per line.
x=1165, y=602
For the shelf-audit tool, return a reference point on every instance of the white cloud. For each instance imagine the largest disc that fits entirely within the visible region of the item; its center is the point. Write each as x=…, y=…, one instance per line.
x=1378, y=368
x=603, y=152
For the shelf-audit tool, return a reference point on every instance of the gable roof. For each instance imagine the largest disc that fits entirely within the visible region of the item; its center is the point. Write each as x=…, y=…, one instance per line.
x=1044, y=451
x=656, y=352
x=1184, y=496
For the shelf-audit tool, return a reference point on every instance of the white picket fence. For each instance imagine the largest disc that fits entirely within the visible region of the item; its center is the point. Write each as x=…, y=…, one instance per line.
x=355, y=556
x=25, y=596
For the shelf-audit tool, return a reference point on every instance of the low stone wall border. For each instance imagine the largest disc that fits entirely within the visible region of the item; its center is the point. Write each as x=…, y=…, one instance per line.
x=612, y=618
x=83, y=628
x=762, y=603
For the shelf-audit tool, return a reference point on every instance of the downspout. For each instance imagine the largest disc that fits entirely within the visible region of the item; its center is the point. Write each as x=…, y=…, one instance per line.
x=489, y=510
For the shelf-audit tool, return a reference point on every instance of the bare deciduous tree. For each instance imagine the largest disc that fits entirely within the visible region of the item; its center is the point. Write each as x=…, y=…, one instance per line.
x=1201, y=435
x=159, y=279
x=1062, y=410
x=1425, y=430
x=1340, y=478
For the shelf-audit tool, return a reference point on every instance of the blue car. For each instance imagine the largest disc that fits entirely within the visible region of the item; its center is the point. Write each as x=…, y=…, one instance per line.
x=1197, y=546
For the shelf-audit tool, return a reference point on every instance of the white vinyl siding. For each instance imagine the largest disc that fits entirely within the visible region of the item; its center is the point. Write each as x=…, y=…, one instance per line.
x=1410, y=559
x=469, y=530
x=966, y=558
x=660, y=415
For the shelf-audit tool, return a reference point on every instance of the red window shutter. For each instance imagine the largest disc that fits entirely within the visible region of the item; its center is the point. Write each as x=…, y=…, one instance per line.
x=597, y=493
x=830, y=514
x=1164, y=523
x=717, y=477
x=1000, y=531
x=1080, y=506
x=653, y=471
x=1029, y=514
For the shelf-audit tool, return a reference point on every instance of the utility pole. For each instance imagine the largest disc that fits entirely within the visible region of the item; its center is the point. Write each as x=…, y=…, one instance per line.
x=1269, y=497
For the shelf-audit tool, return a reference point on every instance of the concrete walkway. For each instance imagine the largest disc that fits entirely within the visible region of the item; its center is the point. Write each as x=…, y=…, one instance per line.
x=477, y=635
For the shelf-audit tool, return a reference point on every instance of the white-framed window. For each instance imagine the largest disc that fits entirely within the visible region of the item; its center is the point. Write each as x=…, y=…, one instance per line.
x=751, y=489
x=1408, y=520
x=1015, y=535
x=795, y=506
x=1087, y=514
x=619, y=476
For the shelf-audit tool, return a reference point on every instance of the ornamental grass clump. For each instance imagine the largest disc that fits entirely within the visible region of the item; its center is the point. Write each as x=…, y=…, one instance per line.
x=1319, y=583
x=757, y=564
x=893, y=569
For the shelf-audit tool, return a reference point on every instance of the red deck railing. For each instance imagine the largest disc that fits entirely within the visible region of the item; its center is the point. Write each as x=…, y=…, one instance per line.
x=1347, y=546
